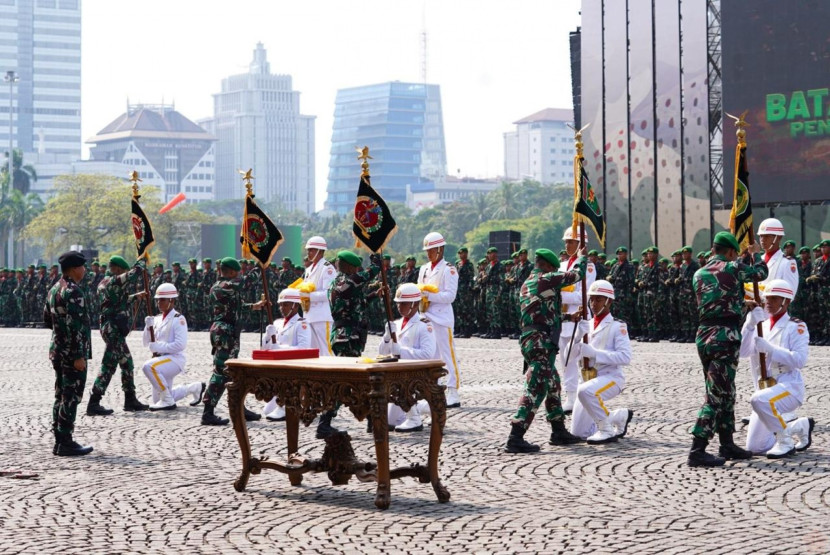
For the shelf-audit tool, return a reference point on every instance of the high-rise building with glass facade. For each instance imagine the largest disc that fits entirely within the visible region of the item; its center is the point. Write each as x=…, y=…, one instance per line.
x=402, y=124
x=40, y=40
x=258, y=125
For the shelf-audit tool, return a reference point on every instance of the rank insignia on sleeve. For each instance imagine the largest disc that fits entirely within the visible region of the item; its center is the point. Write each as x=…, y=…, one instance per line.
x=792, y=268
x=623, y=331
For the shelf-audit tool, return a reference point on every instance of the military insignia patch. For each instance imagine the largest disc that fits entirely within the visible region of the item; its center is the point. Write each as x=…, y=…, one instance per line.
x=792, y=268
x=429, y=329
x=590, y=269
x=623, y=331
x=800, y=331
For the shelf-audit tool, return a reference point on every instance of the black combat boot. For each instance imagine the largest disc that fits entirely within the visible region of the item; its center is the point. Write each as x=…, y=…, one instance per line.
x=251, y=416
x=728, y=450
x=560, y=435
x=65, y=447
x=699, y=457
x=324, y=427
x=210, y=419
x=94, y=408
x=132, y=404
x=516, y=442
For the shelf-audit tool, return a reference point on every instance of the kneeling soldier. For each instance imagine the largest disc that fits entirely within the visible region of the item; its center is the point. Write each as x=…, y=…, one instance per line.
x=170, y=342
x=785, y=343
x=608, y=350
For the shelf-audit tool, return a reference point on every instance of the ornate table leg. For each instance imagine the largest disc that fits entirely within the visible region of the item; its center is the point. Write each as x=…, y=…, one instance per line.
x=438, y=407
x=380, y=428
x=236, y=409
x=292, y=432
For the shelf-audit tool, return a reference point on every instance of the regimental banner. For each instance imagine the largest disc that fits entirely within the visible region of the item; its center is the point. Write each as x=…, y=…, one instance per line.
x=142, y=231
x=586, y=207
x=260, y=238
x=373, y=224
x=740, y=217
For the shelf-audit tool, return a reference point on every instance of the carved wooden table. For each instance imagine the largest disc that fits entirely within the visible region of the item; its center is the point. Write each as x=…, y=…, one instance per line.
x=308, y=387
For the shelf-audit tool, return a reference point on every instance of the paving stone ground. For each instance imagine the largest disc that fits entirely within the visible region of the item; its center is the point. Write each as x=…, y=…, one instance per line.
x=163, y=483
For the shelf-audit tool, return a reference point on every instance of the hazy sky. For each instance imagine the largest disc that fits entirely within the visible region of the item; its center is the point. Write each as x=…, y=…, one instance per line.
x=496, y=61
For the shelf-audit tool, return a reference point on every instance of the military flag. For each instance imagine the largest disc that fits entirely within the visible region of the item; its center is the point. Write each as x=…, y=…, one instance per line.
x=142, y=231
x=373, y=224
x=586, y=206
x=260, y=238
x=740, y=217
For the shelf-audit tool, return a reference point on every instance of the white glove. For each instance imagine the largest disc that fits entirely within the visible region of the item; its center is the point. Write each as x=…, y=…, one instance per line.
x=390, y=329
x=149, y=321
x=583, y=328
x=763, y=346
x=154, y=347
x=588, y=351
x=756, y=316
x=270, y=331
x=396, y=350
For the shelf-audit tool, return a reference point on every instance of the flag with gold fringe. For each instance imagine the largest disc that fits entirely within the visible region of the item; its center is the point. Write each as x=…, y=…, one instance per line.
x=740, y=217
x=586, y=206
x=142, y=231
x=373, y=225
x=260, y=238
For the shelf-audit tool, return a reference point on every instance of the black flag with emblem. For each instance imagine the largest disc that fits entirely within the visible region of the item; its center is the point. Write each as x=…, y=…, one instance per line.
x=373, y=224
x=740, y=217
x=260, y=238
x=141, y=230
x=586, y=206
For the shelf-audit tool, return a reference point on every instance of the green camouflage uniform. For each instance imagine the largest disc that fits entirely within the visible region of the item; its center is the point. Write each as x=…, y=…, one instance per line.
x=541, y=303
x=720, y=293
x=71, y=340
x=799, y=306
x=649, y=289
x=113, y=293
x=226, y=300
x=819, y=306
x=348, y=310
x=463, y=306
x=494, y=284
x=208, y=279
x=193, y=299
x=688, y=301
x=622, y=278
x=520, y=274
x=670, y=297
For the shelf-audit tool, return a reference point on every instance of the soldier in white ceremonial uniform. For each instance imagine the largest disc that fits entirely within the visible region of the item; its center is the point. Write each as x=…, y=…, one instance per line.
x=291, y=332
x=170, y=334
x=439, y=275
x=571, y=301
x=416, y=341
x=785, y=342
x=608, y=350
x=319, y=273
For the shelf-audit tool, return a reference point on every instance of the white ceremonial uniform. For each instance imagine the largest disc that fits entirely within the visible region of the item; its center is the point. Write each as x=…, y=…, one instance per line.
x=170, y=344
x=571, y=301
x=445, y=277
x=613, y=351
x=769, y=406
x=416, y=341
x=292, y=333
x=321, y=274
x=779, y=267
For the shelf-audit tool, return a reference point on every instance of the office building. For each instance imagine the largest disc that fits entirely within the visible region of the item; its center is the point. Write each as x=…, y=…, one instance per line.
x=403, y=127
x=541, y=148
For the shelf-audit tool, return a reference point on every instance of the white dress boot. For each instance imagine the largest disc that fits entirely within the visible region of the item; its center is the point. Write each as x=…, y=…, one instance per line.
x=803, y=430
x=784, y=445
x=606, y=433
x=621, y=418
x=196, y=390
x=453, y=399
x=413, y=421
x=276, y=415
x=165, y=401
x=570, y=401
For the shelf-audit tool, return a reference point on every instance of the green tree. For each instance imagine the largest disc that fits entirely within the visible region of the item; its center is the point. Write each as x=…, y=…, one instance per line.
x=24, y=174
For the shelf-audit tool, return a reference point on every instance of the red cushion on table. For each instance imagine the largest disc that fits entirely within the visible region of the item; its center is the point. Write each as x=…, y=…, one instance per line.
x=285, y=354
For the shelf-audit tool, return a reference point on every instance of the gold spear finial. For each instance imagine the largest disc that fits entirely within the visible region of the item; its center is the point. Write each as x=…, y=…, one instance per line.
x=364, y=155
x=578, y=138
x=248, y=178
x=135, y=181
x=740, y=123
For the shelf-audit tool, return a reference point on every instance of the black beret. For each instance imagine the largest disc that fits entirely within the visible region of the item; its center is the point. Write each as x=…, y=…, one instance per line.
x=71, y=259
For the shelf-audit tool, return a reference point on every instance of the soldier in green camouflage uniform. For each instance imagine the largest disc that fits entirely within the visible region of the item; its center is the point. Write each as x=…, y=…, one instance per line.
x=227, y=304
x=208, y=278
x=541, y=323
x=69, y=351
x=819, y=284
x=686, y=291
x=622, y=278
x=493, y=287
x=599, y=265
x=192, y=299
x=522, y=272
x=649, y=288
x=719, y=287
x=348, y=303
x=480, y=299
x=672, y=288
x=115, y=324
x=506, y=299
x=463, y=307
x=798, y=308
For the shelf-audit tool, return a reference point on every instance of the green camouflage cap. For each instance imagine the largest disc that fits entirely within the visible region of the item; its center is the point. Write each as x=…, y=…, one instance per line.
x=602, y=256
x=726, y=239
x=676, y=253
x=230, y=263
x=350, y=258
x=687, y=248
x=119, y=261
x=593, y=252
x=621, y=249
x=653, y=249
x=547, y=255
x=803, y=250
x=788, y=243
x=664, y=260
x=208, y=260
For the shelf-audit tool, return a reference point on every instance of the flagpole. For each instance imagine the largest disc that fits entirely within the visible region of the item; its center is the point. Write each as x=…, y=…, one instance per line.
x=765, y=380
x=134, y=179
x=582, y=241
x=249, y=188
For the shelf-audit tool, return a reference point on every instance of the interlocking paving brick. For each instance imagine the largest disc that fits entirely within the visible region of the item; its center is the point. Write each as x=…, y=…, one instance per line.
x=163, y=483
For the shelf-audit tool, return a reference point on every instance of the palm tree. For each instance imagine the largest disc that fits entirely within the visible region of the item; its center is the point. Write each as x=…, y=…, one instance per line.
x=24, y=175
x=17, y=205
x=504, y=202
